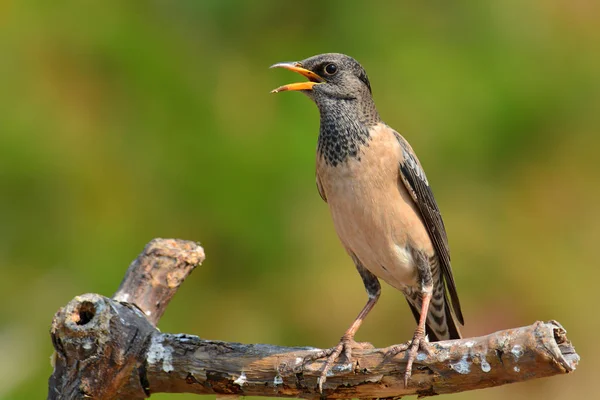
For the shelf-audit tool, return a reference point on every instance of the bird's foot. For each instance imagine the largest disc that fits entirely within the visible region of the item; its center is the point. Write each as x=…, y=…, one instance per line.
x=344, y=347
x=419, y=342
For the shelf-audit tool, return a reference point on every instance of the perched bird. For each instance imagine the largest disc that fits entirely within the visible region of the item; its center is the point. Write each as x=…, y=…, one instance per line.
x=382, y=206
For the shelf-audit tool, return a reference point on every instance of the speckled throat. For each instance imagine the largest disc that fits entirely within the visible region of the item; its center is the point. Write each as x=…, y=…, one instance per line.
x=343, y=132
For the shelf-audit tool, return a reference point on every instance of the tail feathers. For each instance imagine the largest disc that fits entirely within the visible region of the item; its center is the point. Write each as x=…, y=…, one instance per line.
x=440, y=325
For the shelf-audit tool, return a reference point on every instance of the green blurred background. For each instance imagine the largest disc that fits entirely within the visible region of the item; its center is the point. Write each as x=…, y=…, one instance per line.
x=121, y=121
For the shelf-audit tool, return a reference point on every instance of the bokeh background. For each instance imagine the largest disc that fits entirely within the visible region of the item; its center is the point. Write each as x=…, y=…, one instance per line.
x=121, y=121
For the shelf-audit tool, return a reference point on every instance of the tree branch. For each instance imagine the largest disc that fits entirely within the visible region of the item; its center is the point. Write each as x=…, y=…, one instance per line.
x=108, y=348
x=154, y=276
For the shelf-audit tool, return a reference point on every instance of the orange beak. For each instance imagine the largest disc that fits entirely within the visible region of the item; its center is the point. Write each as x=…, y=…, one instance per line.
x=313, y=78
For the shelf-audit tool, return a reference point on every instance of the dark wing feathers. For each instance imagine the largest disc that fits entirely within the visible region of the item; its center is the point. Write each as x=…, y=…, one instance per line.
x=416, y=183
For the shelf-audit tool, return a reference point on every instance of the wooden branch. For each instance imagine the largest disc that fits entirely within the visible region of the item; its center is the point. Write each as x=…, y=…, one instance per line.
x=99, y=343
x=108, y=348
x=154, y=277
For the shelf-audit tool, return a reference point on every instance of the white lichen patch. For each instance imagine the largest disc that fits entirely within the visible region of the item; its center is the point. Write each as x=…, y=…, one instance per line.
x=469, y=344
x=517, y=351
x=516, y=368
x=299, y=360
x=184, y=337
x=87, y=345
x=278, y=380
x=241, y=380
x=485, y=366
x=343, y=368
x=157, y=353
x=463, y=366
x=421, y=356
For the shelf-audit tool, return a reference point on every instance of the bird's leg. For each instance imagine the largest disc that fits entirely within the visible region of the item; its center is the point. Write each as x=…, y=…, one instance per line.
x=418, y=341
x=347, y=341
x=345, y=345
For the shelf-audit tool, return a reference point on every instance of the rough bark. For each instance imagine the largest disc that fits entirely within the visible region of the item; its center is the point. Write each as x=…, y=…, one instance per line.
x=110, y=348
x=154, y=276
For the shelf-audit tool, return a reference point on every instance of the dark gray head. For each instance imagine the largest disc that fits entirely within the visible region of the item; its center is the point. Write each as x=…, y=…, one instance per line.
x=338, y=84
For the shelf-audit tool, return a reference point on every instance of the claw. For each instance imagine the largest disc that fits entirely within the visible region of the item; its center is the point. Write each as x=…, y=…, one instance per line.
x=418, y=342
x=345, y=345
x=332, y=355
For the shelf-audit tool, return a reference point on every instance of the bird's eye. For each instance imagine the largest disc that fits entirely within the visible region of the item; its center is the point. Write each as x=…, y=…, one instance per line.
x=331, y=69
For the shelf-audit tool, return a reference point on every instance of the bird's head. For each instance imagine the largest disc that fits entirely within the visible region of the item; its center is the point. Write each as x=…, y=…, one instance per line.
x=332, y=78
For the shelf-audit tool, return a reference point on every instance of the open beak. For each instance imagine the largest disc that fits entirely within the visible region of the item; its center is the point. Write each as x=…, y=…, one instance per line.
x=313, y=79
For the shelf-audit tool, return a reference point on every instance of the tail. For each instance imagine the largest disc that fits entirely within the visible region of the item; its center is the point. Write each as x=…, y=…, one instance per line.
x=441, y=323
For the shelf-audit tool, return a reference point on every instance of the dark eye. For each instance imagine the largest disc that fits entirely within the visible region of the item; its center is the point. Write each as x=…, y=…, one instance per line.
x=331, y=69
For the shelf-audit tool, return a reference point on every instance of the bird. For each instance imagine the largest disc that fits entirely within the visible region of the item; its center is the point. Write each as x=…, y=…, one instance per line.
x=381, y=203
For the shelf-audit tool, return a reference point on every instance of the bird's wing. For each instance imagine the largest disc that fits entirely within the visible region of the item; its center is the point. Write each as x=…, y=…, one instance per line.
x=414, y=179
